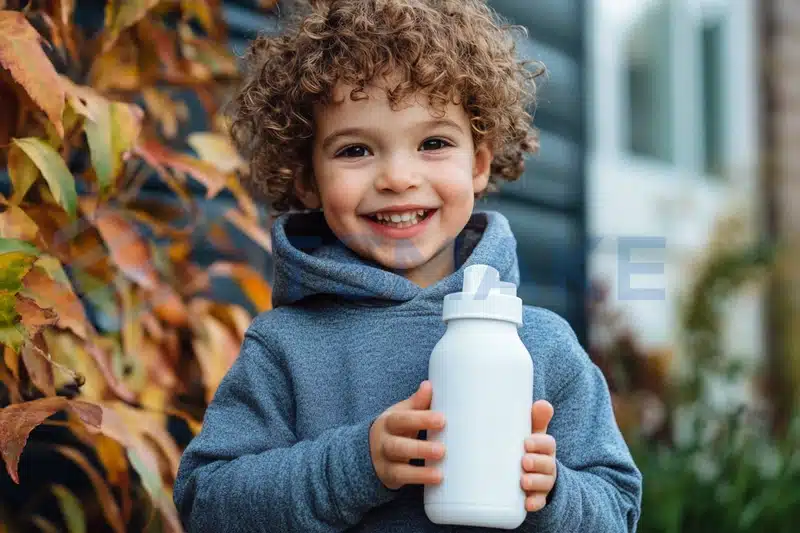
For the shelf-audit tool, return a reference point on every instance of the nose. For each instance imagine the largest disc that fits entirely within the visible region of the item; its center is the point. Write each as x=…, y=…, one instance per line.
x=398, y=174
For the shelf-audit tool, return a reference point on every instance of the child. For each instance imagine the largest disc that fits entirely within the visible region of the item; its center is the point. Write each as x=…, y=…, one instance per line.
x=385, y=120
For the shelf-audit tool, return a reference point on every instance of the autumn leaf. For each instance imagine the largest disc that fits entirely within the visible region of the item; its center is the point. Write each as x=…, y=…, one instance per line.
x=157, y=155
x=143, y=458
x=71, y=509
x=117, y=69
x=128, y=249
x=251, y=282
x=16, y=224
x=14, y=266
x=215, y=346
x=106, y=498
x=111, y=129
x=22, y=55
x=54, y=170
x=40, y=370
x=23, y=173
x=49, y=293
x=18, y=420
x=216, y=149
x=122, y=14
x=166, y=111
x=250, y=227
x=203, y=12
x=32, y=316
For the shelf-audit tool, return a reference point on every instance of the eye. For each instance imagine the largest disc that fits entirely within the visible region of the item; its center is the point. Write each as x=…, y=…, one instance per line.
x=353, y=151
x=434, y=144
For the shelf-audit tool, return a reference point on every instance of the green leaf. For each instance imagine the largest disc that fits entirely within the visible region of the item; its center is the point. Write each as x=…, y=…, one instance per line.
x=111, y=131
x=16, y=245
x=13, y=267
x=71, y=508
x=54, y=170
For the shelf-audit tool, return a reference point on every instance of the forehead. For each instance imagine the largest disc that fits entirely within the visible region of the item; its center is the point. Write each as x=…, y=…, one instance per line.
x=372, y=106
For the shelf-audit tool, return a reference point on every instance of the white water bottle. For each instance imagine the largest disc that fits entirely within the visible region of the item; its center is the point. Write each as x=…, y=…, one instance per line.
x=482, y=378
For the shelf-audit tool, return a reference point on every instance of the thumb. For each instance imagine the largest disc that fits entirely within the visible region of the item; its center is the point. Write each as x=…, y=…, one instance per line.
x=541, y=414
x=421, y=399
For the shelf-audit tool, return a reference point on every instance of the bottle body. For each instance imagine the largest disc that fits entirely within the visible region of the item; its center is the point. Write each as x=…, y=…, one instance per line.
x=482, y=377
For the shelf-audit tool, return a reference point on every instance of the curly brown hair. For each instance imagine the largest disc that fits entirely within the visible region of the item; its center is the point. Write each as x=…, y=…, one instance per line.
x=456, y=51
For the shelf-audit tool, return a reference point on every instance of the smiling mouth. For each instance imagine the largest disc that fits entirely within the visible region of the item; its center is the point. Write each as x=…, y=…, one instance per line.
x=401, y=220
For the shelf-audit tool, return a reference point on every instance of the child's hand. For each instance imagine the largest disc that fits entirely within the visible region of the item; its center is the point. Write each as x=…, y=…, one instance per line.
x=539, y=463
x=393, y=441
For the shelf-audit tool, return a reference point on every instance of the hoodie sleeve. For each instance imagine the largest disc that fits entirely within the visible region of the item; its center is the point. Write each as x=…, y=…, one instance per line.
x=247, y=472
x=598, y=487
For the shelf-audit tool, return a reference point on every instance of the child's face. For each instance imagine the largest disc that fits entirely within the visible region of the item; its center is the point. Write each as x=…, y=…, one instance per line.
x=371, y=163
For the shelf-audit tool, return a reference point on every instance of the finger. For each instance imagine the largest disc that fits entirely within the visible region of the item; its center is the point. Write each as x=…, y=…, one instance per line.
x=399, y=449
x=541, y=414
x=406, y=474
x=540, y=443
x=421, y=399
x=411, y=422
x=537, y=483
x=539, y=464
x=535, y=502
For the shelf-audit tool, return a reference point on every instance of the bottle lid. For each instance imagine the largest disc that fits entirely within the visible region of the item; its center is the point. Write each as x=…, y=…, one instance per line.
x=483, y=295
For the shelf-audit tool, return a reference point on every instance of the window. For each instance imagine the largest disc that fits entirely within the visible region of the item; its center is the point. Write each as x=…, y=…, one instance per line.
x=713, y=92
x=649, y=83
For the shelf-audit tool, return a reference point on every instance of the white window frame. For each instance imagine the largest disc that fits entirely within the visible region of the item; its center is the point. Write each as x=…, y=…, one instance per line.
x=608, y=90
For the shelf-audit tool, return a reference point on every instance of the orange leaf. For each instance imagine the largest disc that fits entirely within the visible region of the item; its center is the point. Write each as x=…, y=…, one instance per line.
x=21, y=53
x=33, y=317
x=18, y=420
x=250, y=227
x=16, y=224
x=127, y=248
x=104, y=495
x=169, y=306
x=166, y=111
x=11, y=359
x=51, y=294
x=251, y=282
x=158, y=155
x=112, y=456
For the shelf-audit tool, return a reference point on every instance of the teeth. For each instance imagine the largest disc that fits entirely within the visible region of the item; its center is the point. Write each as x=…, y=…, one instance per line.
x=400, y=220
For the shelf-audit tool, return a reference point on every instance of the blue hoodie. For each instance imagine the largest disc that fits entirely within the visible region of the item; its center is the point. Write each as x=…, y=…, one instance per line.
x=284, y=446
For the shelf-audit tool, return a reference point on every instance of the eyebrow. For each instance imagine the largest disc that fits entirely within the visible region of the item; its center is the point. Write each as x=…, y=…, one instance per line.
x=356, y=131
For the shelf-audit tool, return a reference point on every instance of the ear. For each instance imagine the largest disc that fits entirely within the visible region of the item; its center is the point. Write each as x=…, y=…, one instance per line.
x=482, y=167
x=307, y=196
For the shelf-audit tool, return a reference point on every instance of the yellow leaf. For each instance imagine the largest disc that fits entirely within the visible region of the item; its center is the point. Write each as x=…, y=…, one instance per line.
x=54, y=170
x=23, y=173
x=122, y=14
x=165, y=110
x=217, y=149
x=21, y=53
x=203, y=12
x=71, y=508
x=215, y=347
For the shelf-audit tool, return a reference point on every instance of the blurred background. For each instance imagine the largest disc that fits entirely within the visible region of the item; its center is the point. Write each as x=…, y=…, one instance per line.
x=659, y=218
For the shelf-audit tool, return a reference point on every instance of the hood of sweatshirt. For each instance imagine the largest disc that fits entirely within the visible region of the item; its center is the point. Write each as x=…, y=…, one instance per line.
x=310, y=262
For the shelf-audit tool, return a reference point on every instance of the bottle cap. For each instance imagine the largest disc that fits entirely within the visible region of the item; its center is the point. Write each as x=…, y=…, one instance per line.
x=483, y=295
